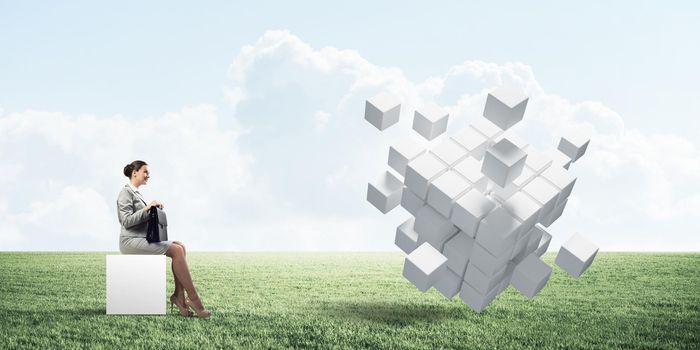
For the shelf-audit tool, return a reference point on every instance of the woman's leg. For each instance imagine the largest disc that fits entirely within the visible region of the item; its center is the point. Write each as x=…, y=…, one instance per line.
x=180, y=269
x=179, y=289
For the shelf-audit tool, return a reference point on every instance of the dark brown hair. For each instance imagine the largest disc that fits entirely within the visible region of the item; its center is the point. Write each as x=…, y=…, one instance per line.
x=135, y=165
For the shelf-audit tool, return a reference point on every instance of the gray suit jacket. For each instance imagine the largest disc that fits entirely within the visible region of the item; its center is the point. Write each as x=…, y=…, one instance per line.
x=132, y=213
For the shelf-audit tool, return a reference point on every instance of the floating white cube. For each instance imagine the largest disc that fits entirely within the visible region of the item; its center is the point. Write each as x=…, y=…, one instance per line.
x=482, y=282
x=449, y=151
x=433, y=227
x=430, y=121
x=474, y=299
x=457, y=250
x=576, y=255
x=420, y=171
x=503, y=162
x=544, y=193
x=562, y=180
x=473, y=141
x=470, y=168
x=382, y=110
x=385, y=192
x=443, y=191
x=480, y=199
x=530, y=275
x=488, y=263
x=411, y=202
x=524, y=209
x=449, y=285
x=574, y=145
x=403, y=152
x=469, y=210
x=135, y=284
x=406, y=236
x=498, y=232
x=424, y=266
x=505, y=106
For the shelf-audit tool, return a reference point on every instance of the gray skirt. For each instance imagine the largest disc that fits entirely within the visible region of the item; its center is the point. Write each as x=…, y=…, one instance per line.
x=139, y=245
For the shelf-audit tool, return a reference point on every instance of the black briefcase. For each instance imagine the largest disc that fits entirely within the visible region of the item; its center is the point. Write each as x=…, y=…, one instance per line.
x=157, y=230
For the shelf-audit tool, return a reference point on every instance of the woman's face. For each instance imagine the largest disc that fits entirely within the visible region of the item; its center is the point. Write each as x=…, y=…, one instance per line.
x=141, y=176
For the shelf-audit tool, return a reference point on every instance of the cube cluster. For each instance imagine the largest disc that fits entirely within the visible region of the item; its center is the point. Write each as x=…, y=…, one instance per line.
x=480, y=200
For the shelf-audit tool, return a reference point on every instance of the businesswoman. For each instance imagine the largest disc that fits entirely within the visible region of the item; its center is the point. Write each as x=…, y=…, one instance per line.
x=133, y=216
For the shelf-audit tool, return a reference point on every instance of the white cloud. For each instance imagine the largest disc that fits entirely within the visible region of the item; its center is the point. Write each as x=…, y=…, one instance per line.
x=65, y=172
x=74, y=212
x=640, y=181
x=289, y=172
x=321, y=118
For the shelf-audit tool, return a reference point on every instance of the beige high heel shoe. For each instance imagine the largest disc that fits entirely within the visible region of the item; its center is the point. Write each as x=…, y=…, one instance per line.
x=201, y=313
x=184, y=310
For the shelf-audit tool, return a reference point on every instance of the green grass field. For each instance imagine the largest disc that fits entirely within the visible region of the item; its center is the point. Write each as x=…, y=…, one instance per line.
x=352, y=300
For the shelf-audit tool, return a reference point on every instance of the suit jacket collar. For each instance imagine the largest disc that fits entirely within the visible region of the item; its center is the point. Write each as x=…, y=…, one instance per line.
x=131, y=188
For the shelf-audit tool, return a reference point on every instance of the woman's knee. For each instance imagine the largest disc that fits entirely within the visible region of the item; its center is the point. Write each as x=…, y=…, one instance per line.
x=175, y=251
x=184, y=251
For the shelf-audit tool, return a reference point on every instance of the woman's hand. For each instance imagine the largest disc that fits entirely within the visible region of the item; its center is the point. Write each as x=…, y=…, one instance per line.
x=154, y=203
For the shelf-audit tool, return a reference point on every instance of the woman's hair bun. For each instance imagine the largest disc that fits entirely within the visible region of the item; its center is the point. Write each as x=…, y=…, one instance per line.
x=128, y=169
x=135, y=165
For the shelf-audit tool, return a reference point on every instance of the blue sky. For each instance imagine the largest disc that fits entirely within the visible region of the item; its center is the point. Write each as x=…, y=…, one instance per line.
x=131, y=65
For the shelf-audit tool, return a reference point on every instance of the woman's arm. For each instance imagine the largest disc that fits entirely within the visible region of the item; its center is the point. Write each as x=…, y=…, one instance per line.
x=125, y=209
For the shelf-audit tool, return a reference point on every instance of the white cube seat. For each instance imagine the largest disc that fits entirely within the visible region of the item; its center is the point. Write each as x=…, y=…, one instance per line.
x=135, y=284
